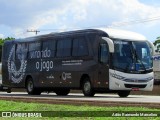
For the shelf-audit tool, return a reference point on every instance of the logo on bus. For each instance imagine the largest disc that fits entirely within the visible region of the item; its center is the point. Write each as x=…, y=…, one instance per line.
x=16, y=75
x=66, y=76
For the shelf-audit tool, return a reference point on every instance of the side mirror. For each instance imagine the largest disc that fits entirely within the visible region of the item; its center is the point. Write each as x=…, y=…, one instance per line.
x=152, y=47
x=110, y=44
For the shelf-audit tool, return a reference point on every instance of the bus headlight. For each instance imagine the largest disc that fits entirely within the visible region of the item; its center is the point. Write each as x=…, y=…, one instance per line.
x=117, y=76
x=149, y=78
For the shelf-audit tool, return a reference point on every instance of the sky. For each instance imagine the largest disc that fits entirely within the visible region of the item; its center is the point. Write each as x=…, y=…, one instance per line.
x=18, y=16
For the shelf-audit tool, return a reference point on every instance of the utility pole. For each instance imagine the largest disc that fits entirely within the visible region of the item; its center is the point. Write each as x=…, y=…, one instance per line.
x=36, y=31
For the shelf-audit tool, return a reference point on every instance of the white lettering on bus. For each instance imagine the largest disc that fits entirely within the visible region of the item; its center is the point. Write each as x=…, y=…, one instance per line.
x=41, y=54
x=44, y=65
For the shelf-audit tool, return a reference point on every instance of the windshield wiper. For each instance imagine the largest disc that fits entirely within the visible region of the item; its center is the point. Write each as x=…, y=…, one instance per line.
x=137, y=58
x=132, y=58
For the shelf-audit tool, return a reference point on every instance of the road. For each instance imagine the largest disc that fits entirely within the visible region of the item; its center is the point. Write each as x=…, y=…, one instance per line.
x=77, y=98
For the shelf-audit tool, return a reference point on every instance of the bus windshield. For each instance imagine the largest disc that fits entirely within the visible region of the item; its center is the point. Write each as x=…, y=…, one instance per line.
x=132, y=56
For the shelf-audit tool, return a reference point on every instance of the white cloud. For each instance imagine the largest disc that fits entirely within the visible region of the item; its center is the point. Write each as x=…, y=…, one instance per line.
x=1, y=36
x=134, y=10
x=20, y=13
x=62, y=14
x=71, y=12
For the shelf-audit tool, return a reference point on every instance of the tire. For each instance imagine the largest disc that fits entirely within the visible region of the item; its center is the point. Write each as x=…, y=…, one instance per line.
x=9, y=90
x=123, y=93
x=62, y=91
x=87, y=88
x=31, y=90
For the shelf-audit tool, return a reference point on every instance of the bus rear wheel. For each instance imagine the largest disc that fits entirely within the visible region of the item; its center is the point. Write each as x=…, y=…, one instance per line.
x=87, y=88
x=62, y=91
x=123, y=93
x=31, y=89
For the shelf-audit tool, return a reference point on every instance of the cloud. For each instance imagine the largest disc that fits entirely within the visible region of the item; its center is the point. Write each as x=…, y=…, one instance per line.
x=134, y=10
x=46, y=14
x=70, y=13
x=20, y=13
x=1, y=36
x=31, y=13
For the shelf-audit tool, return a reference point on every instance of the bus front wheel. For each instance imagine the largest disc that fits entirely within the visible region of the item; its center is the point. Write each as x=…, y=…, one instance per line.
x=123, y=93
x=87, y=88
x=31, y=89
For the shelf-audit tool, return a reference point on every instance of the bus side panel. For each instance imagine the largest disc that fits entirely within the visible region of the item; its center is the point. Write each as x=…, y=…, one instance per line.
x=74, y=72
x=67, y=71
x=49, y=73
x=7, y=63
x=13, y=65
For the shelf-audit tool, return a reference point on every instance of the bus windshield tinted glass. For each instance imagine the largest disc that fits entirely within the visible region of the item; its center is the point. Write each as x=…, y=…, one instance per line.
x=132, y=56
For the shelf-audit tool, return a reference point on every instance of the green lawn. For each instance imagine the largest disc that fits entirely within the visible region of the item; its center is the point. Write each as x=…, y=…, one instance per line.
x=72, y=110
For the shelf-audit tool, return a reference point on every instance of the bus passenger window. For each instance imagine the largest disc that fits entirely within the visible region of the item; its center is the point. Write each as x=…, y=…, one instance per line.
x=103, y=56
x=34, y=50
x=50, y=47
x=64, y=48
x=79, y=47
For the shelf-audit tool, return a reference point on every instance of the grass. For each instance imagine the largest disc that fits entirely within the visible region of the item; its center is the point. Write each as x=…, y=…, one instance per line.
x=71, y=110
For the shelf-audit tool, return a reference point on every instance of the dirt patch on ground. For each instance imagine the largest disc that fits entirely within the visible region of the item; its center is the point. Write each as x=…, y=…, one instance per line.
x=82, y=102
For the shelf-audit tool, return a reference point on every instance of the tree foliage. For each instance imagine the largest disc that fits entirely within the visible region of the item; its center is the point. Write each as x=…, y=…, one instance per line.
x=157, y=44
x=2, y=40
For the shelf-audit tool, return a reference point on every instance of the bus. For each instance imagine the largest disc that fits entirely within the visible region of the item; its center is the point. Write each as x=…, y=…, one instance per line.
x=101, y=60
x=156, y=68
x=3, y=88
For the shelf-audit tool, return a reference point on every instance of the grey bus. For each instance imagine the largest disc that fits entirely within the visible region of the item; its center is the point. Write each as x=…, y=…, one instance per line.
x=100, y=60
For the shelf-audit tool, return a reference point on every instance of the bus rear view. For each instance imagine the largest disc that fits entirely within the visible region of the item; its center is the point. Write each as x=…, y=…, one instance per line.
x=92, y=60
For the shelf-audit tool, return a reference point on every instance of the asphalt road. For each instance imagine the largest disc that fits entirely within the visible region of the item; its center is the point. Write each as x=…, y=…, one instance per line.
x=80, y=97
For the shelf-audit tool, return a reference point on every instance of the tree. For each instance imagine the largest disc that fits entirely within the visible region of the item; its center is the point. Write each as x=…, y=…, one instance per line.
x=157, y=44
x=5, y=39
x=2, y=42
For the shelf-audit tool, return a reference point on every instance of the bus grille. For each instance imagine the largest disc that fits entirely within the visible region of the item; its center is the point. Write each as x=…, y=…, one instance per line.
x=135, y=86
x=137, y=81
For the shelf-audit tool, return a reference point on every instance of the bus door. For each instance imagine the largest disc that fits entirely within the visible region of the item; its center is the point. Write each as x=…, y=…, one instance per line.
x=103, y=71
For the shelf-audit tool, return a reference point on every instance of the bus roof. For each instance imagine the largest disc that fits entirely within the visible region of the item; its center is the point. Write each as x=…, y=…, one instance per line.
x=112, y=33
x=122, y=34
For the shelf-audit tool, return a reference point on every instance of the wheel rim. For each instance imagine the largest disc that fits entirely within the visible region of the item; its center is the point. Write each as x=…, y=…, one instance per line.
x=30, y=86
x=87, y=87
